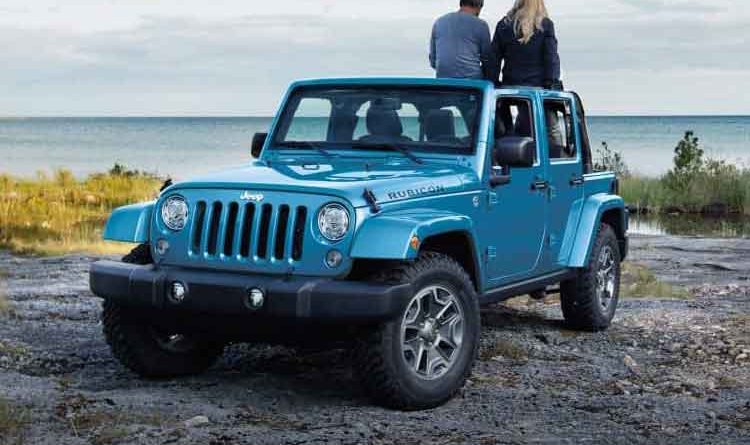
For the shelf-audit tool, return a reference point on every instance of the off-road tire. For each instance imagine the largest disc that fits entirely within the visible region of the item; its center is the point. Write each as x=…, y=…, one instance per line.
x=581, y=304
x=133, y=340
x=378, y=355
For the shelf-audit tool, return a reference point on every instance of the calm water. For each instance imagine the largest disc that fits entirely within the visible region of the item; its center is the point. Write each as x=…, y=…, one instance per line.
x=186, y=146
x=691, y=225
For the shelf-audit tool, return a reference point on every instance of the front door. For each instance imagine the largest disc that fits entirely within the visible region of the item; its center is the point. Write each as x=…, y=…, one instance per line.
x=565, y=175
x=515, y=228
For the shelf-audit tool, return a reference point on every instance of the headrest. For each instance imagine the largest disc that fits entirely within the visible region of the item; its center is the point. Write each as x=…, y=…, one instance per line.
x=384, y=121
x=440, y=124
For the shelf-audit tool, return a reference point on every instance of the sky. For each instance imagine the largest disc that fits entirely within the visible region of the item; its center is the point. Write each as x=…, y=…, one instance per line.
x=237, y=57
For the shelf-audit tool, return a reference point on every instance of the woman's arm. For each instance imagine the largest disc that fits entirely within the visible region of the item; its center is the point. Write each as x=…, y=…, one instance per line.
x=498, y=48
x=489, y=64
x=551, y=56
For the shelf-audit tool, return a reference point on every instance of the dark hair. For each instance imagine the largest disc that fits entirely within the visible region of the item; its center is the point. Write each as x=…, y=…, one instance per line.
x=473, y=3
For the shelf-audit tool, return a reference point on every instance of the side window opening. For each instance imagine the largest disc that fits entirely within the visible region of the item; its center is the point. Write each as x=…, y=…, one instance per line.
x=513, y=118
x=560, y=135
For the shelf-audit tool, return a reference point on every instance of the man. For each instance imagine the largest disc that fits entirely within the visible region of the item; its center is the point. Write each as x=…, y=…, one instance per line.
x=461, y=47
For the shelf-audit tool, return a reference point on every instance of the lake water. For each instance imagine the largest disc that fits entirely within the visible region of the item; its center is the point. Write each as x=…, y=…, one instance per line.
x=732, y=226
x=183, y=147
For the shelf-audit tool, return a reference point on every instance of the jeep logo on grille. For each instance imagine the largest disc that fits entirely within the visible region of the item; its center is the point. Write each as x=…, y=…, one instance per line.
x=250, y=196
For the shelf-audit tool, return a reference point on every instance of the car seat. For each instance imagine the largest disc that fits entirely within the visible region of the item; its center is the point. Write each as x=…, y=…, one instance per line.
x=384, y=126
x=440, y=127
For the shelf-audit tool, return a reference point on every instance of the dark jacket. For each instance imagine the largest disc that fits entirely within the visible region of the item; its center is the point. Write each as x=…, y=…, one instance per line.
x=535, y=63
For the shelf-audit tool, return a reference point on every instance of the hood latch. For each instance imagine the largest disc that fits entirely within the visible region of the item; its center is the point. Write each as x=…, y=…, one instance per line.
x=371, y=200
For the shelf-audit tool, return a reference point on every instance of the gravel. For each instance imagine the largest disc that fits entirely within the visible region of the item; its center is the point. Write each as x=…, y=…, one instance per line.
x=668, y=371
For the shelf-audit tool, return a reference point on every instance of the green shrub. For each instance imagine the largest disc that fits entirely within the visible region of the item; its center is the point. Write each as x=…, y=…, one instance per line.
x=695, y=184
x=609, y=160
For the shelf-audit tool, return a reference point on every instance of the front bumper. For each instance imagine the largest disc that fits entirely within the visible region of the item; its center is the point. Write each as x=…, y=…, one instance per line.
x=221, y=293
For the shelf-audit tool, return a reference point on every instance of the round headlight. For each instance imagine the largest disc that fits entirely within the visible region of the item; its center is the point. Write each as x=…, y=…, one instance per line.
x=174, y=213
x=333, y=222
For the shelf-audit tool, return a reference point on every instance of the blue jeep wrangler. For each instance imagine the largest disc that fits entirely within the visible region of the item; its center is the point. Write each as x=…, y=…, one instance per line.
x=378, y=214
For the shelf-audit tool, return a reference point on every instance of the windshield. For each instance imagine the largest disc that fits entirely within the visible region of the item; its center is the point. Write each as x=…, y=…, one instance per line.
x=411, y=118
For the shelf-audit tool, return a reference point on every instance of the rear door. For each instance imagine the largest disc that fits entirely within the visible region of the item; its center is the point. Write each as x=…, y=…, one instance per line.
x=565, y=176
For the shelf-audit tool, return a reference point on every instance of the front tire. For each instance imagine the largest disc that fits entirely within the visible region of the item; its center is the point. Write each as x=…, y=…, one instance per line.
x=148, y=349
x=590, y=300
x=423, y=357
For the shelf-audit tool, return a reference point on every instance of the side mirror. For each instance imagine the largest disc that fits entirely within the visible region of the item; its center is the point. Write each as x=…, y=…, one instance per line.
x=259, y=140
x=515, y=152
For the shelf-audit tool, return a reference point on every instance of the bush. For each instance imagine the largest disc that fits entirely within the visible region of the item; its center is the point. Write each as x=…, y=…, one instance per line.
x=694, y=184
x=609, y=160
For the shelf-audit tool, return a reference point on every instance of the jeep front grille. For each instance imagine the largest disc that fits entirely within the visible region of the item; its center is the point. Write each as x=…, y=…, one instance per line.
x=248, y=231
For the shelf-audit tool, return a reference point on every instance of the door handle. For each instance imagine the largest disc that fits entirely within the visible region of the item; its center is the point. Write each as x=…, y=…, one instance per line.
x=576, y=181
x=540, y=185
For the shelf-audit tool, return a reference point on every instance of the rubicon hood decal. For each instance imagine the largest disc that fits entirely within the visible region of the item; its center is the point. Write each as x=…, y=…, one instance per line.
x=407, y=193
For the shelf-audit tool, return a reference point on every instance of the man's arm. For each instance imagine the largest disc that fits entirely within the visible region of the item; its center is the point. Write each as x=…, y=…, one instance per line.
x=498, y=50
x=433, y=48
x=487, y=55
x=551, y=58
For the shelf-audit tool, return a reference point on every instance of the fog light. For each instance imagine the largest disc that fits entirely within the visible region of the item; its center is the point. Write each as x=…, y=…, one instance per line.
x=255, y=299
x=177, y=292
x=162, y=247
x=334, y=259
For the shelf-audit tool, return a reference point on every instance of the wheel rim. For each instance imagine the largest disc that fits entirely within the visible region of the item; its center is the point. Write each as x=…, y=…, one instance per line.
x=174, y=343
x=606, y=277
x=432, y=332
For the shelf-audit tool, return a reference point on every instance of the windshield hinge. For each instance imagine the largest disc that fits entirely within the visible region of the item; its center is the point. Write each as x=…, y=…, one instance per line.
x=371, y=200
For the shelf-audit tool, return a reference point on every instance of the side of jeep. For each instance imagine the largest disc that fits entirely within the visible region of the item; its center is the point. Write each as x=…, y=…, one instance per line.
x=379, y=214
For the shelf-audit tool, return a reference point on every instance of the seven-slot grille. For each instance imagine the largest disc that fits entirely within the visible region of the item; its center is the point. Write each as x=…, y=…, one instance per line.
x=248, y=230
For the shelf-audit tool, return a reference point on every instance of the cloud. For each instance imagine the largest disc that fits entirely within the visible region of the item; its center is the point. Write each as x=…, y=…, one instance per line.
x=230, y=57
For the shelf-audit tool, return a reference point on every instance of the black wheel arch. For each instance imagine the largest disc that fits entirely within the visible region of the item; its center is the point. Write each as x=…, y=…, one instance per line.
x=616, y=219
x=460, y=246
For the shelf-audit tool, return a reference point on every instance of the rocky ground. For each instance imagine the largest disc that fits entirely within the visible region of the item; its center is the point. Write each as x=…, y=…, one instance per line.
x=669, y=371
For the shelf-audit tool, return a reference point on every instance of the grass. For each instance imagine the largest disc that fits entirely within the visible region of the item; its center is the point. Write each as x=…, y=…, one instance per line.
x=102, y=426
x=639, y=282
x=59, y=214
x=695, y=184
x=722, y=193
x=13, y=422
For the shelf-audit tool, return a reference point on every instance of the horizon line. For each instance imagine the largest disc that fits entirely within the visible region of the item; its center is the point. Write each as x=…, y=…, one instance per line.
x=241, y=116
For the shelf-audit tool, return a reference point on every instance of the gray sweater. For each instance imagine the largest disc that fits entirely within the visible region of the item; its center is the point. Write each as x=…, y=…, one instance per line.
x=461, y=47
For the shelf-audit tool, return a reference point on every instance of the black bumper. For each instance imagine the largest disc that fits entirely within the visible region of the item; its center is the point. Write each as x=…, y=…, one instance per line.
x=220, y=293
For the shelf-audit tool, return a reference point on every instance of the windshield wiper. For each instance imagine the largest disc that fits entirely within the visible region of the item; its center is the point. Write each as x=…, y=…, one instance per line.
x=392, y=147
x=305, y=144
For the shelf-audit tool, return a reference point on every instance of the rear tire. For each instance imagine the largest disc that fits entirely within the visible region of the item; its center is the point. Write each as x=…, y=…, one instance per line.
x=144, y=347
x=589, y=301
x=423, y=357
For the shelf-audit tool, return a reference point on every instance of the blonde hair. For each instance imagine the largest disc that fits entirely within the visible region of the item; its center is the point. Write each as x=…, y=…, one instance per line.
x=527, y=17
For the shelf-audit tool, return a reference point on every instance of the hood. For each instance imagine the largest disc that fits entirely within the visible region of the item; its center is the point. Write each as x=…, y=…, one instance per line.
x=388, y=180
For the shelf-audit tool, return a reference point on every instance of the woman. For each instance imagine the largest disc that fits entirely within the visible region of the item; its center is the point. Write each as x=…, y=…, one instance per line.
x=525, y=40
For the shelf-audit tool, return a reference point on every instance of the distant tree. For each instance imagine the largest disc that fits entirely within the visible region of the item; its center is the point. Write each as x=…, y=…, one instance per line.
x=688, y=163
x=611, y=160
x=688, y=157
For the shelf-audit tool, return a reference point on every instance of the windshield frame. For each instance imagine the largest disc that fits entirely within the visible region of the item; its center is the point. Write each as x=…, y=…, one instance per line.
x=285, y=118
